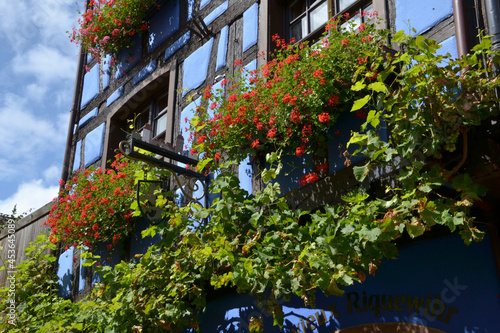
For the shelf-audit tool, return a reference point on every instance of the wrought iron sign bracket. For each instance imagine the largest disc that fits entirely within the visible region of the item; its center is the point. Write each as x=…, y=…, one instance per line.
x=130, y=149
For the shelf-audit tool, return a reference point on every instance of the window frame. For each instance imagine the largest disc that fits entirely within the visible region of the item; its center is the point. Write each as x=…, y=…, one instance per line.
x=142, y=99
x=310, y=6
x=333, y=10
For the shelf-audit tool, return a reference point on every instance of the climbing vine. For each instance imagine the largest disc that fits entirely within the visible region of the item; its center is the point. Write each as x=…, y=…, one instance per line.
x=255, y=242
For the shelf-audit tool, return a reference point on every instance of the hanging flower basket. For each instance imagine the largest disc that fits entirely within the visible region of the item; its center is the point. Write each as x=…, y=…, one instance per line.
x=292, y=101
x=108, y=25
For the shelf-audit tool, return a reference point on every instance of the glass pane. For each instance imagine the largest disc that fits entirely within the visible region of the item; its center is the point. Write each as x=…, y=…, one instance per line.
x=297, y=8
x=298, y=29
x=357, y=22
x=368, y=10
x=142, y=119
x=343, y=4
x=162, y=103
x=319, y=16
x=160, y=125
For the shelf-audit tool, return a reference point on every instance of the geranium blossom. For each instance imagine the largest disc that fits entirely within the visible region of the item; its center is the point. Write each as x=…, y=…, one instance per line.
x=324, y=117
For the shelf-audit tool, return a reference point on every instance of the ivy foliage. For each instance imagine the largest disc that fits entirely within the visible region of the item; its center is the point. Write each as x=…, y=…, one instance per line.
x=257, y=244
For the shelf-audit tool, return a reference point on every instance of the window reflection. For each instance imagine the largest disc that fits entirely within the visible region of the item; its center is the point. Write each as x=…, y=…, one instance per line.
x=319, y=16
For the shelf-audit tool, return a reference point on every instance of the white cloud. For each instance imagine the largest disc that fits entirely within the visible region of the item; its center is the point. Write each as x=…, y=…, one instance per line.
x=47, y=64
x=24, y=22
x=36, y=92
x=29, y=196
x=29, y=141
x=52, y=174
x=8, y=170
x=37, y=73
x=23, y=133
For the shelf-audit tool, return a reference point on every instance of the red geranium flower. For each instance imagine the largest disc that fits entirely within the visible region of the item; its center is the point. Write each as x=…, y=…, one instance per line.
x=324, y=117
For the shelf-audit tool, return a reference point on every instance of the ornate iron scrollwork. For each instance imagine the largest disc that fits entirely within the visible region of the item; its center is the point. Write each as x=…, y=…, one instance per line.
x=189, y=183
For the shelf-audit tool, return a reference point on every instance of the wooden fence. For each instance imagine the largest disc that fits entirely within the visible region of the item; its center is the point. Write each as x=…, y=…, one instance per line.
x=26, y=230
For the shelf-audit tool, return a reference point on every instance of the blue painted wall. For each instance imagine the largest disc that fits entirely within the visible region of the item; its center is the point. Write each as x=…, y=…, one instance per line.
x=114, y=96
x=163, y=24
x=94, y=143
x=90, y=86
x=186, y=115
x=78, y=150
x=250, y=26
x=129, y=56
x=65, y=272
x=248, y=68
x=294, y=168
x=216, y=13
x=170, y=51
x=190, y=9
x=88, y=117
x=222, y=49
x=145, y=72
x=423, y=14
x=203, y=3
x=217, y=91
x=106, y=75
x=139, y=244
x=107, y=257
x=449, y=46
x=245, y=175
x=456, y=286
x=83, y=274
x=196, y=67
x=340, y=134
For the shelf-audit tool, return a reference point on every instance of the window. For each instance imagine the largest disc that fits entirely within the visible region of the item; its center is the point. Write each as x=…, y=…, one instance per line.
x=305, y=19
x=152, y=107
x=154, y=113
x=306, y=16
x=356, y=9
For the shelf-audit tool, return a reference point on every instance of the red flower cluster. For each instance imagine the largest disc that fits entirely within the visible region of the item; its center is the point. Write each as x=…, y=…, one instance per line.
x=308, y=179
x=323, y=168
x=300, y=150
x=94, y=206
x=108, y=25
x=324, y=117
x=292, y=103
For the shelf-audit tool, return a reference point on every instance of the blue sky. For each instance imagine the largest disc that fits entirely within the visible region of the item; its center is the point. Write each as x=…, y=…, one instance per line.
x=37, y=76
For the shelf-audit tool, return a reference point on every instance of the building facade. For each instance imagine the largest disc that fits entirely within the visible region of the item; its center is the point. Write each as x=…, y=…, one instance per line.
x=194, y=43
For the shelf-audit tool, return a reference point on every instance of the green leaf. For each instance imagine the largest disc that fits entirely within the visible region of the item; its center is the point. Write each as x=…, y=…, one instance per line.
x=203, y=163
x=202, y=214
x=195, y=121
x=360, y=172
x=249, y=267
x=358, y=86
x=39, y=239
x=373, y=118
x=425, y=188
x=357, y=138
x=30, y=249
x=268, y=174
x=151, y=231
x=415, y=228
x=370, y=234
x=484, y=45
x=378, y=87
x=358, y=104
x=272, y=157
x=464, y=183
x=206, y=251
x=355, y=197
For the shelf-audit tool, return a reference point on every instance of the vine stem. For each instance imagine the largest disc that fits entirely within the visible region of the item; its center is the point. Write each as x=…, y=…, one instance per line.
x=464, y=132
